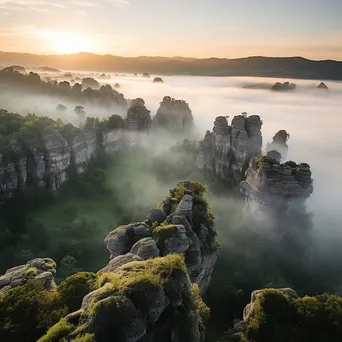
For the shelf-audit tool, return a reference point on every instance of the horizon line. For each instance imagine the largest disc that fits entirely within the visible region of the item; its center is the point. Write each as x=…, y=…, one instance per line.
x=166, y=57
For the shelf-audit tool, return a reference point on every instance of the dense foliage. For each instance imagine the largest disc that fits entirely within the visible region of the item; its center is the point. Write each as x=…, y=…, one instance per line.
x=280, y=318
x=26, y=312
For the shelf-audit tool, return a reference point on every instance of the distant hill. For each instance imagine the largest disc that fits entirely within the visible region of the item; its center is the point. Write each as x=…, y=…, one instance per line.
x=284, y=67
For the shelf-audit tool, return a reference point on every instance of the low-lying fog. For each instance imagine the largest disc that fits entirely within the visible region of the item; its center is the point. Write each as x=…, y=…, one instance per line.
x=312, y=117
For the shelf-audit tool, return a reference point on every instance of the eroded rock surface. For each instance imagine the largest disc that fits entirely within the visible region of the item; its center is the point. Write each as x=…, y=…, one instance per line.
x=227, y=150
x=273, y=189
x=188, y=230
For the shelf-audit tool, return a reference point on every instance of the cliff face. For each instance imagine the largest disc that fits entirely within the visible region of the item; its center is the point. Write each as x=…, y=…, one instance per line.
x=46, y=165
x=272, y=189
x=227, y=150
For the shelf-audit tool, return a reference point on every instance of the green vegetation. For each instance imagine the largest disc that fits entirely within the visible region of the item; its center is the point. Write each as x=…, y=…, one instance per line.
x=75, y=287
x=278, y=318
x=27, y=311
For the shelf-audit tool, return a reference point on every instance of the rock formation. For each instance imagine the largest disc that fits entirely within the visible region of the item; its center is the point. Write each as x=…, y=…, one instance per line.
x=227, y=150
x=279, y=144
x=182, y=225
x=273, y=189
x=323, y=86
x=37, y=269
x=150, y=300
x=174, y=116
x=158, y=80
x=45, y=158
x=283, y=86
x=145, y=293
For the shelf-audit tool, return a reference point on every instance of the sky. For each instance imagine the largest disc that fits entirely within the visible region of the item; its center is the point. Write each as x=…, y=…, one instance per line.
x=190, y=28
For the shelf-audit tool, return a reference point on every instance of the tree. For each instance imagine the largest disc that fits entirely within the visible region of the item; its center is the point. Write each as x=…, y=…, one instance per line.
x=61, y=108
x=79, y=110
x=67, y=266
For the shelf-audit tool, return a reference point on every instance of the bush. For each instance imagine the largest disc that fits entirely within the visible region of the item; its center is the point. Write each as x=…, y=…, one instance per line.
x=26, y=312
x=74, y=288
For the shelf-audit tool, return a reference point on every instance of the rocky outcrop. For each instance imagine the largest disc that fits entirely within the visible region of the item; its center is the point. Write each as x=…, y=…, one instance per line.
x=36, y=269
x=249, y=310
x=174, y=116
x=226, y=151
x=286, y=86
x=279, y=144
x=146, y=292
x=187, y=230
x=149, y=301
x=273, y=189
x=323, y=86
x=158, y=80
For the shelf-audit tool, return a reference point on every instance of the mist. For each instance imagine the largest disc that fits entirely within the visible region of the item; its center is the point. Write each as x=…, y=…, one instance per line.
x=312, y=117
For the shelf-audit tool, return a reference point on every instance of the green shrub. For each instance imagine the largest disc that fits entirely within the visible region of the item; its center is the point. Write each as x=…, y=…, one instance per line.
x=27, y=311
x=74, y=288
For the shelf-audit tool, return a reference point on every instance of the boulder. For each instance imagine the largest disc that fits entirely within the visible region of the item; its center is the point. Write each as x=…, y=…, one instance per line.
x=146, y=249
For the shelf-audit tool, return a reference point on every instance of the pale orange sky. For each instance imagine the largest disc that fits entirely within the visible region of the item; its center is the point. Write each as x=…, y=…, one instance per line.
x=201, y=28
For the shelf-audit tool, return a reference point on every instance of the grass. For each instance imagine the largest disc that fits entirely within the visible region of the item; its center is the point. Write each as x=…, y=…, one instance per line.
x=59, y=331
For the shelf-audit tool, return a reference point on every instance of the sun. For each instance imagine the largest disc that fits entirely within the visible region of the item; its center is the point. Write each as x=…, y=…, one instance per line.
x=70, y=42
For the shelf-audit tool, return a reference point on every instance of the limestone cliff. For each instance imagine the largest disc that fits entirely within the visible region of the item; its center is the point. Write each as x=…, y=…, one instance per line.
x=226, y=151
x=273, y=189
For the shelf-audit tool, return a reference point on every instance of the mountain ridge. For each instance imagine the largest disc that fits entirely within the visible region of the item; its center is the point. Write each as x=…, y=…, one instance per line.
x=259, y=66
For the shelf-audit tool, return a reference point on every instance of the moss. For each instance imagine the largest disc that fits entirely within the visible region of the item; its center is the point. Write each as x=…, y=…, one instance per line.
x=74, y=288
x=162, y=232
x=178, y=193
x=84, y=338
x=31, y=272
x=59, y=331
x=259, y=159
x=202, y=308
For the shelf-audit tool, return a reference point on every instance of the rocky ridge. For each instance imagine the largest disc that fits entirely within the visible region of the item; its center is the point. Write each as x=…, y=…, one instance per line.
x=182, y=225
x=227, y=150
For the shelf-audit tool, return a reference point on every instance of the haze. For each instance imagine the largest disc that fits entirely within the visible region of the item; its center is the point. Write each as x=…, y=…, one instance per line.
x=221, y=28
x=313, y=120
